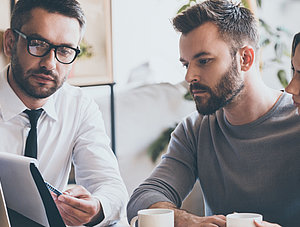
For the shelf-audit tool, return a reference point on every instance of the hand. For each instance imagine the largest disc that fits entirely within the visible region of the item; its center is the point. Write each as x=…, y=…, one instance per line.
x=183, y=218
x=265, y=224
x=77, y=206
x=209, y=221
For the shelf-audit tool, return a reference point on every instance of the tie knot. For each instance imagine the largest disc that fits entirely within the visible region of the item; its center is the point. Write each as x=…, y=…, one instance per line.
x=33, y=116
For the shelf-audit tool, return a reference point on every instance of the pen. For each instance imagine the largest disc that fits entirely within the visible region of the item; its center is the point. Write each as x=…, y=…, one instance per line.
x=53, y=189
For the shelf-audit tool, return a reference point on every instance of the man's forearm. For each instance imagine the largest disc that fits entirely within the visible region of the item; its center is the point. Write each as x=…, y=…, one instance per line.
x=182, y=218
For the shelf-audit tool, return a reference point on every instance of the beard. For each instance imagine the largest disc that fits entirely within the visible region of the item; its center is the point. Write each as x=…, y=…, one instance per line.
x=22, y=79
x=224, y=92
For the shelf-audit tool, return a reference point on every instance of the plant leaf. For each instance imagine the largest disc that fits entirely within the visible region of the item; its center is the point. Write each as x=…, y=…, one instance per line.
x=245, y=4
x=265, y=42
x=160, y=144
x=258, y=2
x=188, y=96
x=267, y=27
x=281, y=74
x=184, y=7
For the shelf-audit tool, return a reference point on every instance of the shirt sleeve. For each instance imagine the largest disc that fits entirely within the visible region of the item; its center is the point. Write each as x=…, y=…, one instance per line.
x=172, y=179
x=96, y=167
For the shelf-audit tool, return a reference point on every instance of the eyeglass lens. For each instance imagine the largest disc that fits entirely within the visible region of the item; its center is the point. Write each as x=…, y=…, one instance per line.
x=40, y=48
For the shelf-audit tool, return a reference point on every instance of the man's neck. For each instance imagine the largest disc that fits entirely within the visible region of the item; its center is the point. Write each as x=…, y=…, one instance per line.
x=29, y=102
x=251, y=104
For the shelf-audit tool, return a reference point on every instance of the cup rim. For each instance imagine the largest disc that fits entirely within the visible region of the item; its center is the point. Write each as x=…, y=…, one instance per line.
x=155, y=211
x=243, y=215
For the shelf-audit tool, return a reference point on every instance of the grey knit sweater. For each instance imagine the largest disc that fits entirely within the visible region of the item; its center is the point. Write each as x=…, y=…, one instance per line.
x=247, y=168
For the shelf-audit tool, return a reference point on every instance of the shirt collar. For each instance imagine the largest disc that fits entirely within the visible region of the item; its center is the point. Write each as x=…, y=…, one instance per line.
x=49, y=108
x=11, y=105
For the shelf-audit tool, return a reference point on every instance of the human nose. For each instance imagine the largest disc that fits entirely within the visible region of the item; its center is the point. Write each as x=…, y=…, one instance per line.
x=191, y=74
x=49, y=60
x=294, y=86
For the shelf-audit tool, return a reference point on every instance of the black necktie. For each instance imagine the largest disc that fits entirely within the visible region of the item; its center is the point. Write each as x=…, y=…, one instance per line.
x=31, y=142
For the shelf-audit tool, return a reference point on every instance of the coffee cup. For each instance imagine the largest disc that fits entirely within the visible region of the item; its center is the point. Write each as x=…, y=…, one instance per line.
x=242, y=219
x=154, y=218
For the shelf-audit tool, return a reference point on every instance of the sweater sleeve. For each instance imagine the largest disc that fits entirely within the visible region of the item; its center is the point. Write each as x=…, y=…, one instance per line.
x=173, y=178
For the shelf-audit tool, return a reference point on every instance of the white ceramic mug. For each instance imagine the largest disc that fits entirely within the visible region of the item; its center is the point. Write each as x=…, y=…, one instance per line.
x=242, y=219
x=154, y=218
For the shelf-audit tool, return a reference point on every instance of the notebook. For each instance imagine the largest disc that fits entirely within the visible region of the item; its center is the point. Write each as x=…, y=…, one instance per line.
x=25, y=190
x=3, y=211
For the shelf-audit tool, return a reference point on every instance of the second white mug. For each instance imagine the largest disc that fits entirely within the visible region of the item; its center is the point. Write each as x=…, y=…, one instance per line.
x=154, y=218
x=242, y=219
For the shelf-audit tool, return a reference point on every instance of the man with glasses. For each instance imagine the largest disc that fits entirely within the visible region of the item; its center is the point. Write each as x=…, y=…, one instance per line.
x=43, y=42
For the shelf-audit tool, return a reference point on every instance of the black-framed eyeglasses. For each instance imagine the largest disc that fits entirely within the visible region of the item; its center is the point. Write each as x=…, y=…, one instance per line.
x=40, y=48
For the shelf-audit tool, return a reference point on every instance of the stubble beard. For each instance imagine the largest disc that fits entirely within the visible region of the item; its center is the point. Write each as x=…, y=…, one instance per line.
x=21, y=78
x=222, y=95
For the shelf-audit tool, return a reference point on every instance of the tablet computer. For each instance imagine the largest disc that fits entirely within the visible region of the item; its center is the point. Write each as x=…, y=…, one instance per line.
x=25, y=191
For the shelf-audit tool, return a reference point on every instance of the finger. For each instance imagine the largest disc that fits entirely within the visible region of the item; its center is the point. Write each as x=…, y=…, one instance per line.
x=75, y=215
x=265, y=224
x=68, y=219
x=208, y=225
x=216, y=220
x=90, y=205
x=54, y=196
x=219, y=220
x=79, y=208
x=221, y=217
x=77, y=191
x=81, y=204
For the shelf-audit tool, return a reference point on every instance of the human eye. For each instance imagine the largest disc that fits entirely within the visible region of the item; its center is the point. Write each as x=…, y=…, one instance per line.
x=185, y=65
x=293, y=70
x=65, y=51
x=38, y=47
x=38, y=43
x=204, y=61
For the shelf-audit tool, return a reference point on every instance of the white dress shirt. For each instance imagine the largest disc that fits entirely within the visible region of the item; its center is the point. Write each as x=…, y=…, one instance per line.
x=70, y=129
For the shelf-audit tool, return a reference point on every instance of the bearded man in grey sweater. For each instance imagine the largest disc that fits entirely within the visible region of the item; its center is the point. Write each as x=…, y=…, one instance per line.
x=242, y=144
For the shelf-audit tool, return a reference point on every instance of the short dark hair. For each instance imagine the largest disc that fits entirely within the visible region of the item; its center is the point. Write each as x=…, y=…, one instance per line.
x=296, y=41
x=70, y=8
x=235, y=23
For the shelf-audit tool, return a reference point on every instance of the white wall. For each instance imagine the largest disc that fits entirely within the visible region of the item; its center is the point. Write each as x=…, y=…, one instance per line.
x=142, y=32
x=4, y=24
x=5, y=14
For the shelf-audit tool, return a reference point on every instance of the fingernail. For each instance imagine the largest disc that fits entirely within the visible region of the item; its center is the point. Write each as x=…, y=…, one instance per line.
x=61, y=198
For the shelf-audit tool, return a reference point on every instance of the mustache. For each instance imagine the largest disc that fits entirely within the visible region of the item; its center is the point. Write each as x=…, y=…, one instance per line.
x=44, y=71
x=198, y=86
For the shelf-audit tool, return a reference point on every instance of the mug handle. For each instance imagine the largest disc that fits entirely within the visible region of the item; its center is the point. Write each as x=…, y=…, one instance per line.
x=133, y=221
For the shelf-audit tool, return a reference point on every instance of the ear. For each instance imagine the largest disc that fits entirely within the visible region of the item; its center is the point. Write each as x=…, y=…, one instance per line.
x=8, y=42
x=247, y=56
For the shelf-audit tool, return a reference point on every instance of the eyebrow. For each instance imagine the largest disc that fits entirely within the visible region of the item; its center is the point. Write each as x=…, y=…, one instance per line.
x=38, y=36
x=200, y=54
